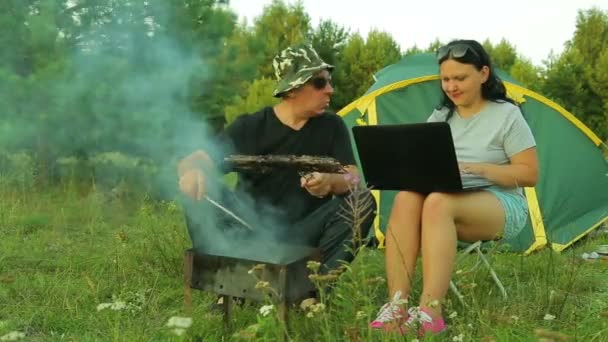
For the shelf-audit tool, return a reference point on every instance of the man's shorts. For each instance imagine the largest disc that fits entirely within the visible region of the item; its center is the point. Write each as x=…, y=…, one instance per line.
x=516, y=211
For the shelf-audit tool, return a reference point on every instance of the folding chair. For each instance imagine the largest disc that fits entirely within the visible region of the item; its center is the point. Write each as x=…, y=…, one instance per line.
x=481, y=260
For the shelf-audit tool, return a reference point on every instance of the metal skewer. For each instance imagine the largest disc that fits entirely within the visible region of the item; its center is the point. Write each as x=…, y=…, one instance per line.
x=227, y=211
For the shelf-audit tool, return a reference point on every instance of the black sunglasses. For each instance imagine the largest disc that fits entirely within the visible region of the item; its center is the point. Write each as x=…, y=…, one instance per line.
x=456, y=51
x=320, y=82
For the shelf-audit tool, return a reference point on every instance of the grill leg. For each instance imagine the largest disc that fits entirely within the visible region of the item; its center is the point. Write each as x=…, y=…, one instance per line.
x=283, y=312
x=282, y=301
x=227, y=304
x=188, y=264
x=284, y=316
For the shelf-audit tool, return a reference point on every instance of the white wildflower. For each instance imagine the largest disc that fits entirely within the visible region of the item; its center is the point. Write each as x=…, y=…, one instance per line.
x=317, y=307
x=266, y=310
x=179, y=322
x=458, y=338
x=262, y=285
x=179, y=331
x=13, y=336
x=313, y=265
x=361, y=315
x=119, y=305
x=307, y=303
x=310, y=314
x=470, y=325
x=453, y=314
x=549, y=317
x=103, y=306
x=515, y=318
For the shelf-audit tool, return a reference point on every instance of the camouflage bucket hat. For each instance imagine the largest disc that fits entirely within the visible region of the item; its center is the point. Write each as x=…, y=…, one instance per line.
x=296, y=65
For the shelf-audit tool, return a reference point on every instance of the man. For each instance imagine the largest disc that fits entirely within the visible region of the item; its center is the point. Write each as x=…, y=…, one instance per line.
x=311, y=208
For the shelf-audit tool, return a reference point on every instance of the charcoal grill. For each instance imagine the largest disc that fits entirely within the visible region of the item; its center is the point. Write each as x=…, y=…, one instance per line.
x=229, y=276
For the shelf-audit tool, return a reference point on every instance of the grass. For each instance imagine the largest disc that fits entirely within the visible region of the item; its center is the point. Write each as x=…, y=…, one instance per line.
x=65, y=251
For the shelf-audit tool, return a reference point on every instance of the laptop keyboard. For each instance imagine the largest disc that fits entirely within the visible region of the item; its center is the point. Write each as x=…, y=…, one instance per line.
x=470, y=180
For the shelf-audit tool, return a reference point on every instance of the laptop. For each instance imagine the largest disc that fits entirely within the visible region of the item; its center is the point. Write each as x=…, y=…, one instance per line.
x=417, y=157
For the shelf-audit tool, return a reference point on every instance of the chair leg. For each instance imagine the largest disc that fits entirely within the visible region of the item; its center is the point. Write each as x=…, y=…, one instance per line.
x=492, y=273
x=457, y=293
x=481, y=260
x=463, y=253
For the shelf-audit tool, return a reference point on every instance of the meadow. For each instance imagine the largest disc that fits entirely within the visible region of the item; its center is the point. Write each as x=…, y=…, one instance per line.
x=83, y=264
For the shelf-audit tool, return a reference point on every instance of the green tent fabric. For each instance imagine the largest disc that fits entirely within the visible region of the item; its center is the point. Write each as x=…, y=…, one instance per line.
x=571, y=197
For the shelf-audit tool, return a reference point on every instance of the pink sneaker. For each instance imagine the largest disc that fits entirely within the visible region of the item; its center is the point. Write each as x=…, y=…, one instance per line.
x=391, y=315
x=430, y=325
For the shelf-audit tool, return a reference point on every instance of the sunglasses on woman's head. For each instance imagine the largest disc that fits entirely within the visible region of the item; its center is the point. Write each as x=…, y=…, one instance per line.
x=320, y=82
x=456, y=51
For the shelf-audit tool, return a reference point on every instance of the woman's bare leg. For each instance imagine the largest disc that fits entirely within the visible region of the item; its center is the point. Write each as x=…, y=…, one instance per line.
x=445, y=219
x=403, y=241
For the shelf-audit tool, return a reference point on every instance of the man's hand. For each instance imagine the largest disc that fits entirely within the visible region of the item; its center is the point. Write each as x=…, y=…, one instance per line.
x=317, y=184
x=193, y=184
x=192, y=181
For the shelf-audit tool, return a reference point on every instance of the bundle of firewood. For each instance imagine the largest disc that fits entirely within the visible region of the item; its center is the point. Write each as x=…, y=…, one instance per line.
x=302, y=164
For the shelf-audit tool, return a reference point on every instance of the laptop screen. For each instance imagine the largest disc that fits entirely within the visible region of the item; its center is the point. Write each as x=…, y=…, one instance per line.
x=417, y=157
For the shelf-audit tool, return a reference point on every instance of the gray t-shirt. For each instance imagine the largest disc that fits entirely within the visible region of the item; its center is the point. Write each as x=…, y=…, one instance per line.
x=493, y=135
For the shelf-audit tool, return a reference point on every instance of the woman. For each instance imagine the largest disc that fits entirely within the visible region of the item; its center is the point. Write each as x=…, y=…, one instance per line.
x=493, y=144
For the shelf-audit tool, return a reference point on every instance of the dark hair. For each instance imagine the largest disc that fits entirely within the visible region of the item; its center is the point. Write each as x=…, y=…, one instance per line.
x=471, y=52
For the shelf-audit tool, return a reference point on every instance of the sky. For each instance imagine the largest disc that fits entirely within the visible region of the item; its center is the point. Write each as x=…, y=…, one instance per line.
x=535, y=27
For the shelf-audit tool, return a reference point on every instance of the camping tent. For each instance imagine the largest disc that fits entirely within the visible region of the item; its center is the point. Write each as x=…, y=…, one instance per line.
x=571, y=197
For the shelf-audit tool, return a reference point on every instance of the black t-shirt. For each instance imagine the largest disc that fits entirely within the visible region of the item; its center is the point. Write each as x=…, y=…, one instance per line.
x=262, y=133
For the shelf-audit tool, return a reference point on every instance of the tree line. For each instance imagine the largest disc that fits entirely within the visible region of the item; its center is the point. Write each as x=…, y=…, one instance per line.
x=79, y=77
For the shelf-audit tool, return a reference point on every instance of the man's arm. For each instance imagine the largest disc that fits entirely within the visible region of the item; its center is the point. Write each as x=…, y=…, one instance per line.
x=196, y=161
x=324, y=184
x=191, y=174
x=343, y=151
x=342, y=183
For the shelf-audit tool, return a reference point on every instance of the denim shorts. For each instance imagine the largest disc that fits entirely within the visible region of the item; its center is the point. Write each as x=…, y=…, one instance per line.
x=516, y=211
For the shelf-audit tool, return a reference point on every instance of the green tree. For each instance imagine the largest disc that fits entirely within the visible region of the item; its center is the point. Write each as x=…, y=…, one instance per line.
x=577, y=78
x=350, y=72
x=203, y=28
x=591, y=34
x=566, y=85
x=233, y=68
x=90, y=76
x=434, y=46
x=34, y=54
x=414, y=50
x=599, y=79
x=31, y=34
x=361, y=60
x=431, y=48
x=278, y=27
x=503, y=54
x=591, y=39
x=329, y=39
x=529, y=75
x=259, y=94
